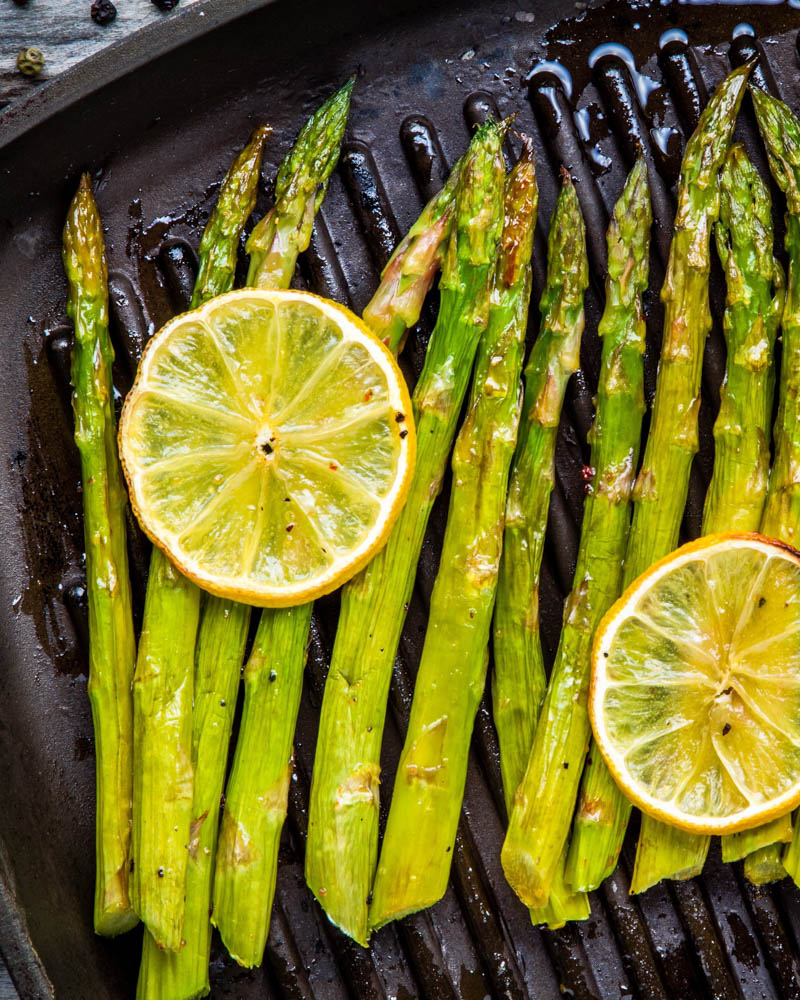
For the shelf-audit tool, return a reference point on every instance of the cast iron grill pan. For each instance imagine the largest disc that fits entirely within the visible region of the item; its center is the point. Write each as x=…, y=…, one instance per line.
x=158, y=141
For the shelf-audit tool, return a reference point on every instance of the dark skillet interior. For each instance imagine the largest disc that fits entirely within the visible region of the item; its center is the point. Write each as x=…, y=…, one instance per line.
x=158, y=142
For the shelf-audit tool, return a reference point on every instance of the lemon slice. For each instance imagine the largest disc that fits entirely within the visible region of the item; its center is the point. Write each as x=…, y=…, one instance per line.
x=695, y=691
x=268, y=444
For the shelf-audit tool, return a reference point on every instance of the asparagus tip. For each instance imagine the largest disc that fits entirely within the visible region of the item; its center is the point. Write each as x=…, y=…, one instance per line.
x=260, y=133
x=526, y=155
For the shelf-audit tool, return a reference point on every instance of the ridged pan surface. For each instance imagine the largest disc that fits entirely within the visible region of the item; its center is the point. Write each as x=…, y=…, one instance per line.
x=157, y=143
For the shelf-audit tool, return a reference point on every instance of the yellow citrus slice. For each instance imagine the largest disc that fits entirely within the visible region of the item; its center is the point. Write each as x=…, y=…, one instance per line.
x=695, y=690
x=268, y=443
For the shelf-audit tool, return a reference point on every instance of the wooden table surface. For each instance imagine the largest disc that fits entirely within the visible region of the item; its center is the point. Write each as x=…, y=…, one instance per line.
x=66, y=33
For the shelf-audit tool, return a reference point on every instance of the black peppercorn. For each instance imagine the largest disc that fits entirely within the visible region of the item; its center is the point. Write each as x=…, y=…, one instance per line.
x=165, y=4
x=103, y=12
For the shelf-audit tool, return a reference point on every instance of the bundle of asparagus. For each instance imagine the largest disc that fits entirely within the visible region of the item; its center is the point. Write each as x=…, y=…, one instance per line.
x=417, y=847
x=274, y=245
x=738, y=489
x=662, y=484
x=343, y=821
x=256, y=796
x=534, y=848
x=159, y=859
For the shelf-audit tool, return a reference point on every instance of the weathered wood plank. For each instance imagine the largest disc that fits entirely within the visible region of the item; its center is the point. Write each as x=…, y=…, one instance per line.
x=65, y=32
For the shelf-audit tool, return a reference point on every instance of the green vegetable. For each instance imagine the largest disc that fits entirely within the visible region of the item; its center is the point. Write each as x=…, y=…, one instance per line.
x=780, y=130
x=224, y=624
x=285, y=231
x=258, y=788
x=112, y=646
x=519, y=680
x=420, y=833
x=343, y=822
x=408, y=276
x=662, y=484
x=163, y=686
x=533, y=852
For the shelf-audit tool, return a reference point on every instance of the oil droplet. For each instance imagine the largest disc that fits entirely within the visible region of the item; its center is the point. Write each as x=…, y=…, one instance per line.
x=662, y=137
x=561, y=73
x=644, y=85
x=673, y=35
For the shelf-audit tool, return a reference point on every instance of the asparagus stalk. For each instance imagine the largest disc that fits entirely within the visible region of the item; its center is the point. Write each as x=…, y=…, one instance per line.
x=545, y=799
x=174, y=975
x=420, y=833
x=112, y=647
x=519, y=679
x=662, y=484
x=564, y=905
x=765, y=864
x=224, y=624
x=258, y=787
x=780, y=131
x=755, y=295
x=745, y=205
x=163, y=685
x=343, y=822
x=255, y=806
x=738, y=489
x=396, y=305
x=285, y=231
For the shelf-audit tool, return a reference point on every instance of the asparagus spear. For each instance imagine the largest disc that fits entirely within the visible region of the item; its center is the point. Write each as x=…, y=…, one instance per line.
x=420, y=833
x=343, y=822
x=302, y=181
x=224, y=624
x=780, y=131
x=255, y=806
x=662, y=484
x=164, y=682
x=396, y=305
x=112, y=647
x=748, y=205
x=738, y=490
x=258, y=787
x=519, y=680
x=545, y=799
